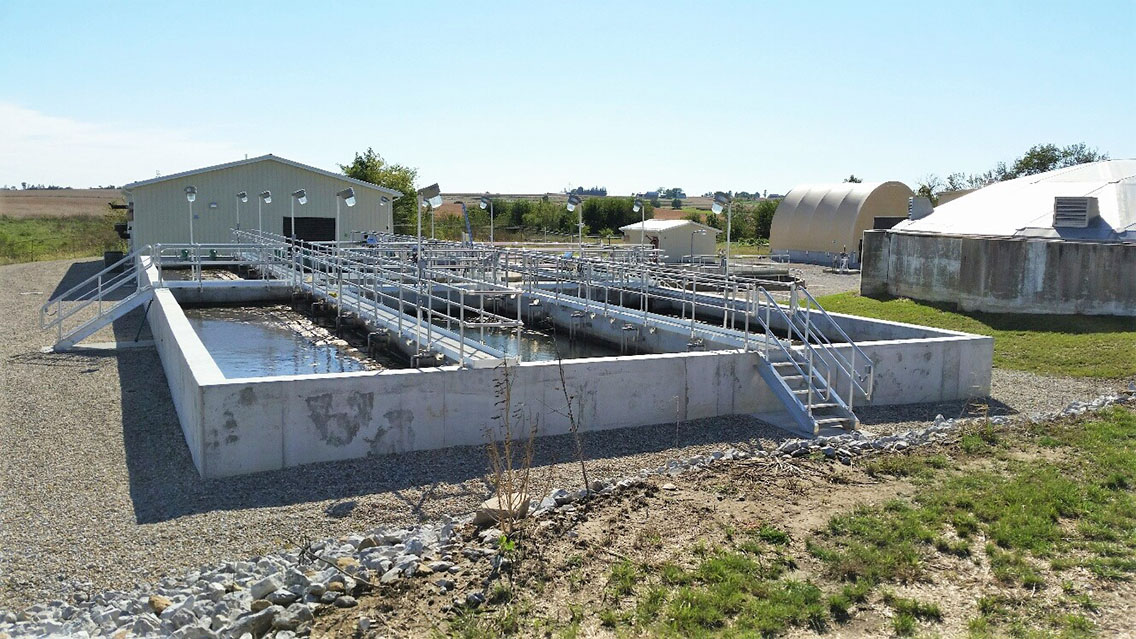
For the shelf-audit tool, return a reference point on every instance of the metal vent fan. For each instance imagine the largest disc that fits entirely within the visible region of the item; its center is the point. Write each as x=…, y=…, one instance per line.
x=1074, y=212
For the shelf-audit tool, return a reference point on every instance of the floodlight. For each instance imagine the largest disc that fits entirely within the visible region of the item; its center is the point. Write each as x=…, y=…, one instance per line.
x=242, y=196
x=720, y=200
x=637, y=205
x=267, y=197
x=573, y=201
x=484, y=203
x=190, y=193
x=348, y=195
x=301, y=196
x=432, y=194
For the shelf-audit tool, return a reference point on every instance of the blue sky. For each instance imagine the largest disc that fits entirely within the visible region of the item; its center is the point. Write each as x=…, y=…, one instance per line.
x=537, y=96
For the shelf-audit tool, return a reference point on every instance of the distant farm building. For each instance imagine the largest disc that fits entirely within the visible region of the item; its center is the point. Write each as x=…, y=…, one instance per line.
x=817, y=222
x=1057, y=242
x=160, y=211
x=678, y=239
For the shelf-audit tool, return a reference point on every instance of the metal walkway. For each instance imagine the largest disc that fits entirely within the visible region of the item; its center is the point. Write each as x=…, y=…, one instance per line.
x=82, y=310
x=430, y=299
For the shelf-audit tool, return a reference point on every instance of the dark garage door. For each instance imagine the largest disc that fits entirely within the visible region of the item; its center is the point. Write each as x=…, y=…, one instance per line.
x=311, y=229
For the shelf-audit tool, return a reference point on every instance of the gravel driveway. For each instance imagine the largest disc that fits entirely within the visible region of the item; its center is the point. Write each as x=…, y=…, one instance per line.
x=97, y=489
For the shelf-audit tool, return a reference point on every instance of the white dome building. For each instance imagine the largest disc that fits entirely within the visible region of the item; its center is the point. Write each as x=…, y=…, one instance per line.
x=1061, y=242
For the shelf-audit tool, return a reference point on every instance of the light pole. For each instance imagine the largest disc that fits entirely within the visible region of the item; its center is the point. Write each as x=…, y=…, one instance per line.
x=190, y=196
x=431, y=195
x=386, y=201
x=721, y=199
x=348, y=197
x=637, y=207
x=487, y=202
x=692, y=234
x=693, y=282
x=574, y=204
x=301, y=196
x=241, y=197
x=266, y=198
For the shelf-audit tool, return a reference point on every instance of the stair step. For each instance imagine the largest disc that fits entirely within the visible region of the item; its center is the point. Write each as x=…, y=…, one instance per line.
x=832, y=420
x=825, y=405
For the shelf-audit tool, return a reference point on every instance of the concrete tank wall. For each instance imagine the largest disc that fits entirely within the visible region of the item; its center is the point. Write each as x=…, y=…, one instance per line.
x=260, y=424
x=1002, y=275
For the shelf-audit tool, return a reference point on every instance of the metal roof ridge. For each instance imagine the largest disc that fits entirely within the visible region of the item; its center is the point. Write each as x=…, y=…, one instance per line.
x=262, y=158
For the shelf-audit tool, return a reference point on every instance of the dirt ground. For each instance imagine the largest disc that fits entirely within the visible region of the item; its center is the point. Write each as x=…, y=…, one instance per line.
x=564, y=573
x=57, y=203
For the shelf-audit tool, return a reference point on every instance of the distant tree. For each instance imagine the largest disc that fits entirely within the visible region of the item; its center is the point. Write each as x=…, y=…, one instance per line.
x=676, y=204
x=24, y=185
x=1047, y=157
x=371, y=167
x=595, y=190
x=930, y=187
x=763, y=217
x=853, y=179
x=1038, y=159
x=956, y=182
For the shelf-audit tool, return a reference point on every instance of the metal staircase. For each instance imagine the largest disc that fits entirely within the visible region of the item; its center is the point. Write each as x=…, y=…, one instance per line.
x=816, y=380
x=80, y=311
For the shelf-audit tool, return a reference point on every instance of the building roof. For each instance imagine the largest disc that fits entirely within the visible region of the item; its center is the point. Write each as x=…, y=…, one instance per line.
x=664, y=225
x=1024, y=207
x=833, y=217
x=275, y=158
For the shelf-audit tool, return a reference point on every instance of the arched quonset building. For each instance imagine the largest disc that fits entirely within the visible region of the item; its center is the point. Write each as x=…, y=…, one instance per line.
x=1060, y=242
x=816, y=222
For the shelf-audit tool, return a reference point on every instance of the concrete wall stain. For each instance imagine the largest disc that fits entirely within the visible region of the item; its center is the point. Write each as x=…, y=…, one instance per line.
x=227, y=434
x=339, y=428
x=1001, y=275
x=400, y=422
x=247, y=396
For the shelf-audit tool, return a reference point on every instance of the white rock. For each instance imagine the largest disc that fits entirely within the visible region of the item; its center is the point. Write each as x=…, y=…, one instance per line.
x=261, y=588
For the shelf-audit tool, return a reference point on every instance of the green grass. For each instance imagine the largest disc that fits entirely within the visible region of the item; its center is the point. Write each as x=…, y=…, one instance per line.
x=729, y=592
x=738, y=249
x=51, y=238
x=1075, y=345
x=1076, y=511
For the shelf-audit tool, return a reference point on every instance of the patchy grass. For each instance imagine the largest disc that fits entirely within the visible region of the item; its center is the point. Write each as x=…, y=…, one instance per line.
x=1076, y=511
x=32, y=239
x=728, y=591
x=1076, y=345
x=738, y=249
x=1044, y=514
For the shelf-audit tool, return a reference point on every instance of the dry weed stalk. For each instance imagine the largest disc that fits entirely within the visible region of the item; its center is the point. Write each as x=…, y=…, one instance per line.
x=510, y=475
x=574, y=425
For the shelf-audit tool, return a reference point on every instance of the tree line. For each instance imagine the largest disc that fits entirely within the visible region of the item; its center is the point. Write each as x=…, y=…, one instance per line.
x=1040, y=158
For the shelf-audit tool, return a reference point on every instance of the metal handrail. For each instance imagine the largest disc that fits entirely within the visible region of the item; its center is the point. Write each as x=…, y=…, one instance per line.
x=84, y=294
x=847, y=365
x=828, y=389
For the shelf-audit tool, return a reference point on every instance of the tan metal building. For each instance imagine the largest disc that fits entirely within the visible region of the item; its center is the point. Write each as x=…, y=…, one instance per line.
x=817, y=222
x=160, y=212
x=676, y=238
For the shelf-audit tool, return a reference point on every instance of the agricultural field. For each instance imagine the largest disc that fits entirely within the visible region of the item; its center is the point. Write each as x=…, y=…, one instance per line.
x=57, y=203
x=56, y=224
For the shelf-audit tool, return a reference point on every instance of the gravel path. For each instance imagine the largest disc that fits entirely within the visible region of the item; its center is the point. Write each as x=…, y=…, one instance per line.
x=820, y=282
x=97, y=489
